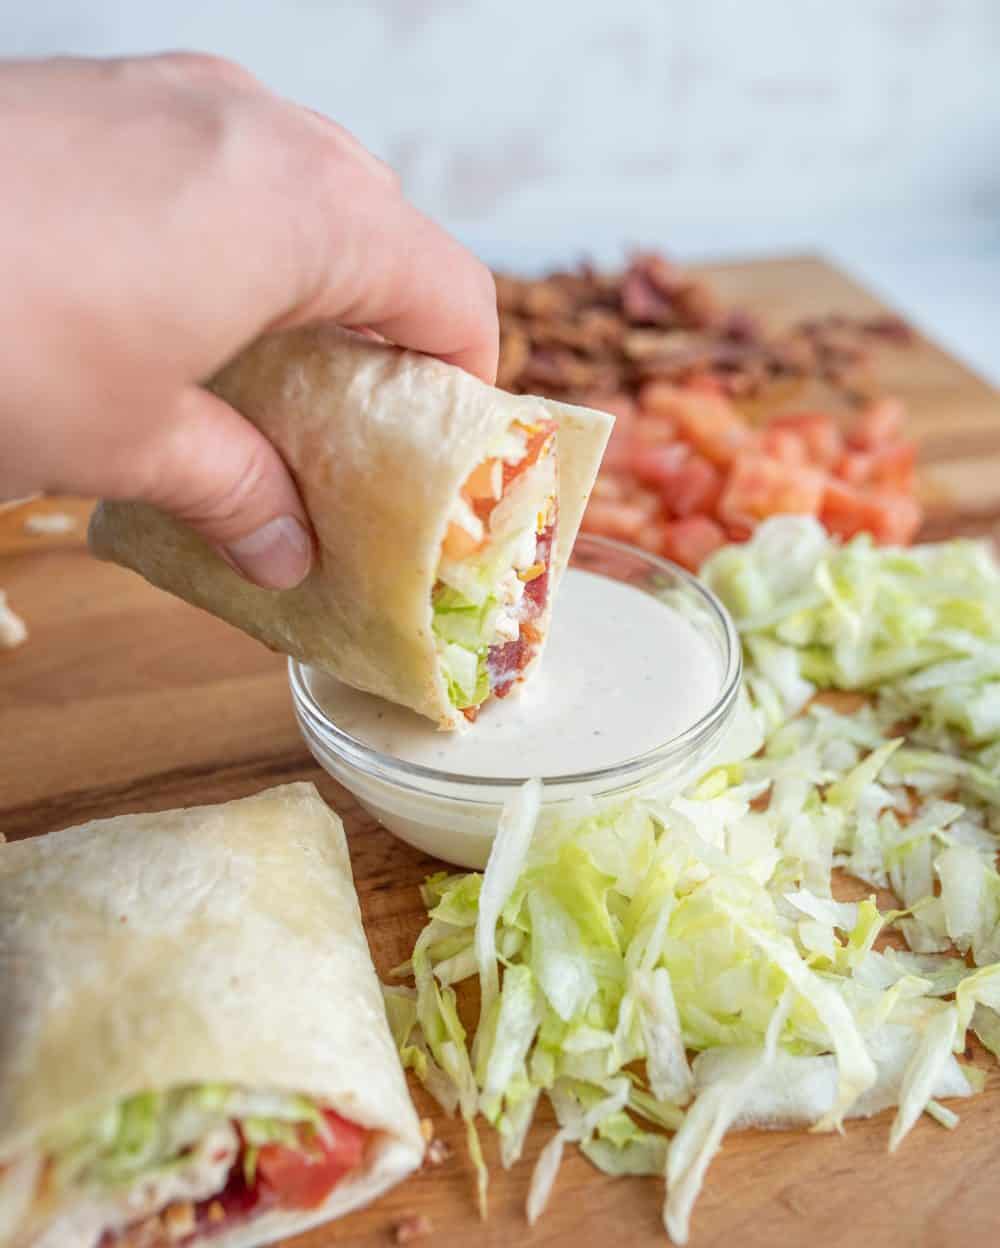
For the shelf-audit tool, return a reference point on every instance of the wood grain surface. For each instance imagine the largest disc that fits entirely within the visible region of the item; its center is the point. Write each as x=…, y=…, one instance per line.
x=125, y=699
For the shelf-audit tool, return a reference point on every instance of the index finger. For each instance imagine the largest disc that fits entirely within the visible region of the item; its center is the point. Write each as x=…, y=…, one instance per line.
x=389, y=268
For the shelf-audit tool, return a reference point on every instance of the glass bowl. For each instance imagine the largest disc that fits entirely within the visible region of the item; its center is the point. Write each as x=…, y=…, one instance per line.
x=454, y=817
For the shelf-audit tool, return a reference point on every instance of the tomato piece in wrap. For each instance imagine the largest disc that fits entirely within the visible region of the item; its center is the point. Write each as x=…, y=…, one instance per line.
x=193, y=1042
x=444, y=509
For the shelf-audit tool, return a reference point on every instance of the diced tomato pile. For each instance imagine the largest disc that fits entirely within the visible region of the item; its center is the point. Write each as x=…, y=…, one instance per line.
x=685, y=472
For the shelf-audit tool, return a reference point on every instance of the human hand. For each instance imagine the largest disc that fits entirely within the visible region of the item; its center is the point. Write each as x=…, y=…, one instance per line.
x=158, y=214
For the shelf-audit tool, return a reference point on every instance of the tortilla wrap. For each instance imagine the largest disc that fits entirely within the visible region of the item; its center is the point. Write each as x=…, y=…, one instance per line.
x=218, y=944
x=380, y=442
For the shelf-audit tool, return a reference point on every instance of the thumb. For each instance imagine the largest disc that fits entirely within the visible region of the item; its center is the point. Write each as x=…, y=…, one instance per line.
x=211, y=469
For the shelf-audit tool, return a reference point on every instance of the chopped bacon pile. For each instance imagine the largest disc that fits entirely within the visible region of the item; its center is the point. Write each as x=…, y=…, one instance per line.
x=583, y=334
x=685, y=473
x=687, y=468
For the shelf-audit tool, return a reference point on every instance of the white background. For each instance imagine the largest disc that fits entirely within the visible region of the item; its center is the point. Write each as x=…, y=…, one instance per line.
x=869, y=129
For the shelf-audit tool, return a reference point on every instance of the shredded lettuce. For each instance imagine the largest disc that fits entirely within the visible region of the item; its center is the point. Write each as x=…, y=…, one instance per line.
x=920, y=628
x=612, y=941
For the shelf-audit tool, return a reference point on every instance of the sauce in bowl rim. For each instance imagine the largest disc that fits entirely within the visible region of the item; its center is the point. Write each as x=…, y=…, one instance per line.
x=321, y=731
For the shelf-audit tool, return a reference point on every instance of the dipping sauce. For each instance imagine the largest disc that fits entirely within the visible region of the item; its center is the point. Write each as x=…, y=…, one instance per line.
x=623, y=673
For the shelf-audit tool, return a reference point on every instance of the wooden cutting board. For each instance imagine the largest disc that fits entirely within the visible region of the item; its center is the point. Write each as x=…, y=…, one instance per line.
x=124, y=699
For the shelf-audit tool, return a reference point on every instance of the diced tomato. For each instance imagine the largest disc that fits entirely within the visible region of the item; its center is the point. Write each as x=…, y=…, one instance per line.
x=895, y=519
x=609, y=486
x=660, y=398
x=696, y=490
x=618, y=453
x=619, y=520
x=823, y=441
x=659, y=466
x=892, y=519
x=891, y=467
x=843, y=511
x=621, y=406
x=648, y=501
x=739, y=532
x=785, y=445
x=653, y=430
x=652, y=536
x=663, y=398
x=758, y=486
x=895, y=468
x=880, y=422
x=302, y=1178
x=689, y=542
x=855, y=467
x=713, y=427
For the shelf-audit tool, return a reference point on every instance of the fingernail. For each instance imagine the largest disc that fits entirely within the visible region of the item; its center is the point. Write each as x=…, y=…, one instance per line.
x=276, y=556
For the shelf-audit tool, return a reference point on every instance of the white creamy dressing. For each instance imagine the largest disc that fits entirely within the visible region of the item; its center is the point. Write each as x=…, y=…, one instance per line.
x=622, y=673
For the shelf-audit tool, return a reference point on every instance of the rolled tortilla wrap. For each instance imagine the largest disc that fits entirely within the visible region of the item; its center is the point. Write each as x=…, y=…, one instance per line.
x=167, y=978
x=395, y=455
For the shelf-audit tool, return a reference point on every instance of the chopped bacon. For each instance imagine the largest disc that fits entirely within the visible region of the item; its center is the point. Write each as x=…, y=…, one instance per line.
x=506, y=661
x=536, y=590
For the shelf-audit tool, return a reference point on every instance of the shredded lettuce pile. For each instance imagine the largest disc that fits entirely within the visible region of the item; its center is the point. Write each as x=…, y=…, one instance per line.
x=919, y=628
x=665, y=970
x=151, y=1133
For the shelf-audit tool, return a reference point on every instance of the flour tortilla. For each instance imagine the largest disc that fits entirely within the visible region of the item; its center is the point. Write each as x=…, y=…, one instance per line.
x=219, y=944
x=380, y=442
